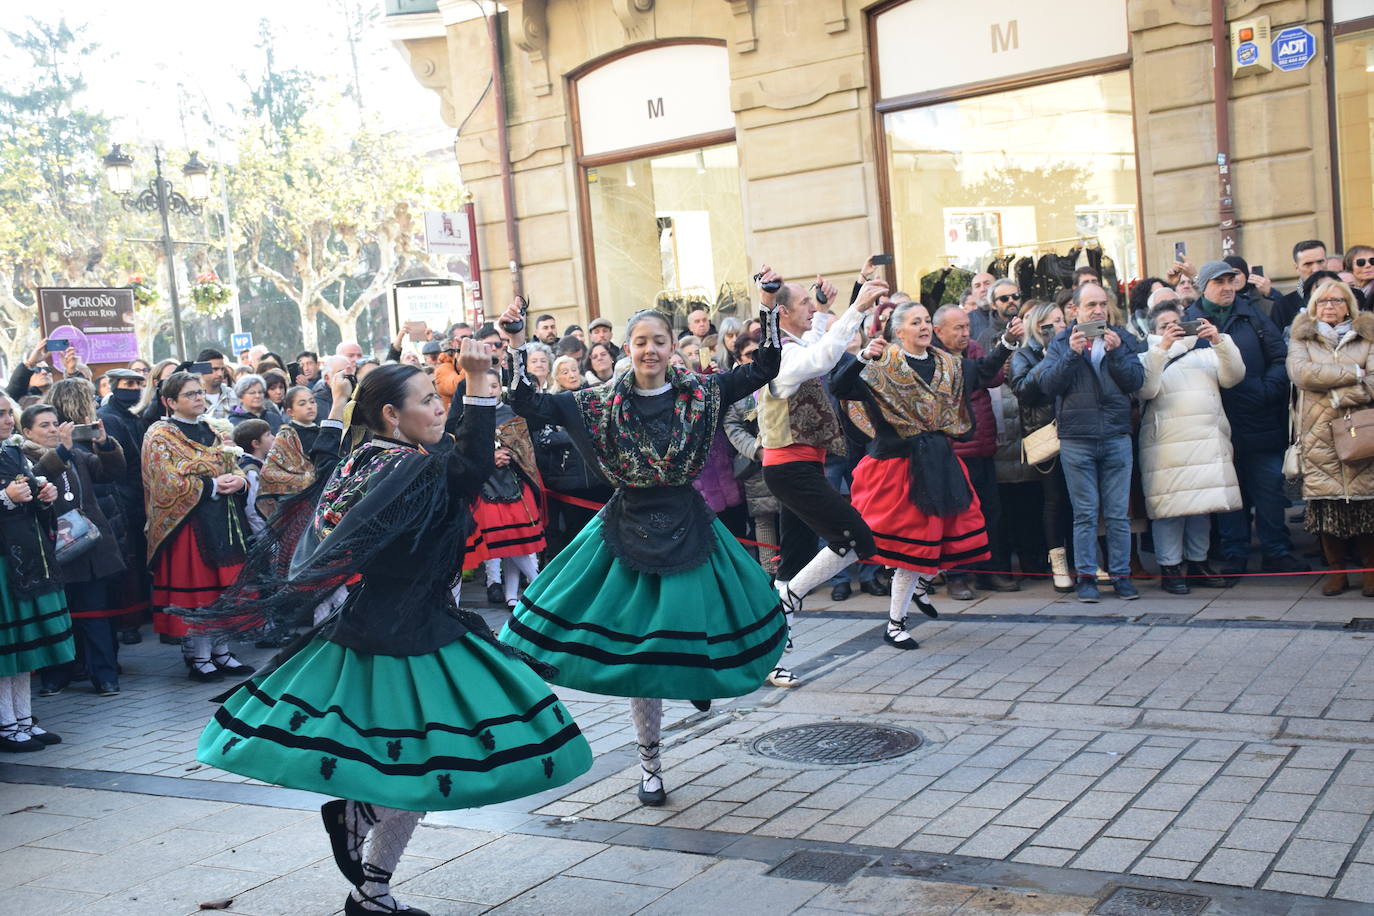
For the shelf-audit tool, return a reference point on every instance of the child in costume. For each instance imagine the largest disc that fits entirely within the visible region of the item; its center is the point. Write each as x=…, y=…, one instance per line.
x=654, y=599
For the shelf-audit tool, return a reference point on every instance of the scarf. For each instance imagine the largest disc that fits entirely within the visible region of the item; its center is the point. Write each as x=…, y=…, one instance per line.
x=622, y=443
x=1333, y=334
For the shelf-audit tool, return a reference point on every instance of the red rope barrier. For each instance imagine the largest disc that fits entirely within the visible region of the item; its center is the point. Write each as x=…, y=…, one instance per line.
x=589, y=504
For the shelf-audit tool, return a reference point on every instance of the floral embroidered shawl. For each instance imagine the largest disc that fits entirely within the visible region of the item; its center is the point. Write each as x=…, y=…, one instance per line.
x=622, y=442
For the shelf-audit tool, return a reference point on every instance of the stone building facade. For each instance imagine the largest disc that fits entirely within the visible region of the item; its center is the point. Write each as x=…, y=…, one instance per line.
x=660, y=149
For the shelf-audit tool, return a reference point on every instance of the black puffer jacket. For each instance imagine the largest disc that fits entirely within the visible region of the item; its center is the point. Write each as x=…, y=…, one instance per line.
x=1257, y=408
x=1090, y=404
x=1036, y=406
x=562, y=466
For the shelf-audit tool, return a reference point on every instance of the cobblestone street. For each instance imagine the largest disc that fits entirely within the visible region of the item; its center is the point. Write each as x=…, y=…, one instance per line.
x=1218, y=746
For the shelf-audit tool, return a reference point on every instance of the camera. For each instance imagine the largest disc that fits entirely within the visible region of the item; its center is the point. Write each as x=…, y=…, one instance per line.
x=1092, y=329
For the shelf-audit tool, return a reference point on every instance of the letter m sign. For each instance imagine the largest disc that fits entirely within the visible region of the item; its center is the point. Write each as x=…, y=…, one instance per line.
x=656, y=107
x=1005, y=38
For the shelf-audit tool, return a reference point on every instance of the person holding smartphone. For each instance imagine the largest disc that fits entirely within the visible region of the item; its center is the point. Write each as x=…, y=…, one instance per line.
x=1257, y=409
x=1186, y=459
x=1091, y=371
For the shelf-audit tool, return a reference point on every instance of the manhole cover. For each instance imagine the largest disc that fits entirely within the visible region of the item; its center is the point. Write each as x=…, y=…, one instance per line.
x=1360, y=623
x=1137, y=901
x=836, y=742
x=826, y=867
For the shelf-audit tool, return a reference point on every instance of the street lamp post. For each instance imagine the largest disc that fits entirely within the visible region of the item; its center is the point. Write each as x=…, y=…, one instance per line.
x=161, y=197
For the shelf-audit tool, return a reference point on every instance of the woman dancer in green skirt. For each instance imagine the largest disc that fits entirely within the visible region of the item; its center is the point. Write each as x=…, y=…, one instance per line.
x=397, y=703
x=654, y=599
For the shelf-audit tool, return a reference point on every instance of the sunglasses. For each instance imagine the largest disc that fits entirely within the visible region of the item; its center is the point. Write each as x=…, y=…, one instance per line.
x=1362, y=262
x=1010, y=297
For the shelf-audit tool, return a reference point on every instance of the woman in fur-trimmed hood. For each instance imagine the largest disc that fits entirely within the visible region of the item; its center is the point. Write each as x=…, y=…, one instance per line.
x=1330, y=358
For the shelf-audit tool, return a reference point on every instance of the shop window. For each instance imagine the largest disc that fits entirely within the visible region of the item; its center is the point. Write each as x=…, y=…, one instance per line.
x=668, y=232
x=1047, y=169
x=1354, y=77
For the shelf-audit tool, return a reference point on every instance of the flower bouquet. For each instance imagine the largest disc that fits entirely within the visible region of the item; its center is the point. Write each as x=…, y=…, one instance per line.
x=145, y=293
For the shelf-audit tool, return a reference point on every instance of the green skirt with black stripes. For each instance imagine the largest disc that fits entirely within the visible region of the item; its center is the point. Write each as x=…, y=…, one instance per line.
x=34, y=632
x=712, y=631
x=463, y=726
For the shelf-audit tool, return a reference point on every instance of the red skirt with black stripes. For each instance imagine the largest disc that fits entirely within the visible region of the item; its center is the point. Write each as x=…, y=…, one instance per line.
x=505, y=529
x=182, y=578
x=906, y=537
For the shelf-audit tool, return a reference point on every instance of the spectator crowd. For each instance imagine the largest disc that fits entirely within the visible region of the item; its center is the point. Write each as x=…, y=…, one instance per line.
x=1179, y=417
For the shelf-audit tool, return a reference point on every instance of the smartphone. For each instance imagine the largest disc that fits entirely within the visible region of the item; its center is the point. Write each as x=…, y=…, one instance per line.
x=1180, y=251
x=1257, y=270
x=202, y=368
x=1092, y=329
x=57, y=345
x=1190, y=328
x=1047, y=331
x=85, y=432
x=881, y=260
x=293, y=371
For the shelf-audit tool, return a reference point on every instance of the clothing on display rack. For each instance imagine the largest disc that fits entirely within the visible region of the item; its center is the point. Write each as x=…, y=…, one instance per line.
x=944, y=287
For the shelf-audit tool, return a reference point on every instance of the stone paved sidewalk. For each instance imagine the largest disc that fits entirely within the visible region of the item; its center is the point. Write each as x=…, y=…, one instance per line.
x=1107, y=748
x=1069, y=750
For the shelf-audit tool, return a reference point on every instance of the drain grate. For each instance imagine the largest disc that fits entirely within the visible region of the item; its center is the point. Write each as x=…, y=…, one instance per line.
x=1163, y=620
x=1138, y=901
x=837, y=743
x=1360, y=623
x=825, y=867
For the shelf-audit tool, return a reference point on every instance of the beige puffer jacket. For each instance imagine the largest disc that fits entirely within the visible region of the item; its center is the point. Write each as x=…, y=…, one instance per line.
x=1327, y=386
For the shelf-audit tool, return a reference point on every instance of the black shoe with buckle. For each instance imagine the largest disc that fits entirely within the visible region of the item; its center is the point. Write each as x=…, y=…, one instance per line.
x=228, y=663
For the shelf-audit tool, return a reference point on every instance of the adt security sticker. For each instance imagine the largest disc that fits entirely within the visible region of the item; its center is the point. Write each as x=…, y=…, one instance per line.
x=1294, y=48
x=1247, y=52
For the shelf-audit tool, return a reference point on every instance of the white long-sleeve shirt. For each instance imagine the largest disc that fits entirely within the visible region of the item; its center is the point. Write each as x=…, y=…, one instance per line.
x=803, y=360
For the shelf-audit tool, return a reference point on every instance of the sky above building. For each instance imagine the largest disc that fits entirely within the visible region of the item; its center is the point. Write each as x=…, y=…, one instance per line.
x=161, y=65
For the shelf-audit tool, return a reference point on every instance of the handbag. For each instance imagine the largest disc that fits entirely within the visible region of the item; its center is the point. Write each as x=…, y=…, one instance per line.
x=76, y=533
x=1292, y=456
x=1041, y=445
x=1353, y=433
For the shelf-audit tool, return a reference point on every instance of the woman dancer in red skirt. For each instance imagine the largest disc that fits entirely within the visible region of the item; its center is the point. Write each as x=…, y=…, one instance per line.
x=911, y=397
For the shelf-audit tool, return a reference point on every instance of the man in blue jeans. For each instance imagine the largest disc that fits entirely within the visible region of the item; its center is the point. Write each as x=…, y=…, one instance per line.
x=1257, y=410
x=1091, y=369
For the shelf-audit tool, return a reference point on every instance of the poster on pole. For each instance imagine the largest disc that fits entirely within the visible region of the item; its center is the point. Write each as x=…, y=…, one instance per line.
x=437, y=301
x=447, y=233
x=99, y=323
